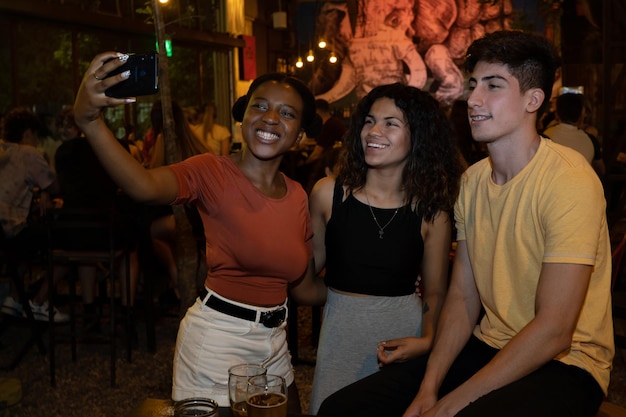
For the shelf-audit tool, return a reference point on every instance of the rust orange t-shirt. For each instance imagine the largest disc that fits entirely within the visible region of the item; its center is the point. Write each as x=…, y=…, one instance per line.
x=255, y=245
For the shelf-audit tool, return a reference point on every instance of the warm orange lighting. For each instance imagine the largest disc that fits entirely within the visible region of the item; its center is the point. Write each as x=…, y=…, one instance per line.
x=299, y=63
x=310, y=57
x=322, y=44
x=332, y=58
x=164, y=1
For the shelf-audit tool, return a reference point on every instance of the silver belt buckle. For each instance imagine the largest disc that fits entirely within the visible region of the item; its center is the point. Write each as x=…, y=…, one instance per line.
x=273, y=318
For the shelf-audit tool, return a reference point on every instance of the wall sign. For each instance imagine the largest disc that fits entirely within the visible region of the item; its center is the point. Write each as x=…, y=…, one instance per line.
x=247, y=58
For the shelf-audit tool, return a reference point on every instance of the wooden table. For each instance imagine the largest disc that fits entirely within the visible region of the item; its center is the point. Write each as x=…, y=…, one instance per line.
x=153, y=407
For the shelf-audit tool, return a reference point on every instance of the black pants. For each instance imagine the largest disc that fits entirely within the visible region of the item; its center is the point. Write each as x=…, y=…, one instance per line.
x=554, y=390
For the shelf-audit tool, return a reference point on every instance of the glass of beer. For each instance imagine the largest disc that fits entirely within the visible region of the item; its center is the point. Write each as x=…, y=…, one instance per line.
x=238, y=376
x=267, y=396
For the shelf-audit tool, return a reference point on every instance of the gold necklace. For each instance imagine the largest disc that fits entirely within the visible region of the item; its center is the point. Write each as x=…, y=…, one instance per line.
x=381, y=230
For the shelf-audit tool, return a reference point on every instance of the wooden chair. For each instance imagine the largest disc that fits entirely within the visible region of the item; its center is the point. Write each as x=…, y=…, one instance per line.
x=64, y=223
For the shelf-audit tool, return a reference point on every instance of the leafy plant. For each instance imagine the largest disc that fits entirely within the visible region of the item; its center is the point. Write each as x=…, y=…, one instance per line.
x=146, y=10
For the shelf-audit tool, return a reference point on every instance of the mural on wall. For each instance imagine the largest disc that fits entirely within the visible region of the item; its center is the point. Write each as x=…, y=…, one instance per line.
x=417, y=42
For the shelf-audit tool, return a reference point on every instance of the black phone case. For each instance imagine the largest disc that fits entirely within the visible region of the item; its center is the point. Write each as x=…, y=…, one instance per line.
x=143, y=79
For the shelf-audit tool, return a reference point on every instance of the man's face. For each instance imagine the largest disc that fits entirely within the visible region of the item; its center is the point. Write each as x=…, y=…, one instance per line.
x=496, y=107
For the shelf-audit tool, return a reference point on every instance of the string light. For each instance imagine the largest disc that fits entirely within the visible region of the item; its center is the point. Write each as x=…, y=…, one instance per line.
x=310, y=57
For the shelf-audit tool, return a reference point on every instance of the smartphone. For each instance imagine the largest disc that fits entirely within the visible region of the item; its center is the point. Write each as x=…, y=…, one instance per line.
x=143, y=79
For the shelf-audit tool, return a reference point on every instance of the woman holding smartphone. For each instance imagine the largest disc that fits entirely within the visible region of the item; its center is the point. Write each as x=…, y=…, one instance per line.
x=256, y=221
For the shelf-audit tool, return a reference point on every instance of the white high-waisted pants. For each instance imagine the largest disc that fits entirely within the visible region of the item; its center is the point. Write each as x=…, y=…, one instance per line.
x=210, y=342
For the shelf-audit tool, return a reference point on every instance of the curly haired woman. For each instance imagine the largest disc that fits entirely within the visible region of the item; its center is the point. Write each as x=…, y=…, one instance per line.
x=379, y=226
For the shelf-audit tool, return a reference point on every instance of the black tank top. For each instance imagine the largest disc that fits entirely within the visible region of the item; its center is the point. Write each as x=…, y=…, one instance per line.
x=358, y=261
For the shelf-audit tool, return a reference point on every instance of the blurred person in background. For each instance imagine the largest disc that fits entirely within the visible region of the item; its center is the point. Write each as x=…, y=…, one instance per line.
x=215, y=136
x=84, y=184
x=25, y=178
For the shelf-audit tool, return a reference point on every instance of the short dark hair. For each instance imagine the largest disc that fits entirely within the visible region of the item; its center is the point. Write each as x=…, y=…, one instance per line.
x=530, y=58
x=569, y=107
x=18, y=121
x=311, y=122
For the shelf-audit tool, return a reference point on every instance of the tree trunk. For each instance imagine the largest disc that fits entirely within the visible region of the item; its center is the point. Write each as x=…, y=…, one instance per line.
x=186, y=249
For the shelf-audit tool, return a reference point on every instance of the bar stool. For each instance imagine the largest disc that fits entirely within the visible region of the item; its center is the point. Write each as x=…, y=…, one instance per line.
x=61, y=223
x=10, y=259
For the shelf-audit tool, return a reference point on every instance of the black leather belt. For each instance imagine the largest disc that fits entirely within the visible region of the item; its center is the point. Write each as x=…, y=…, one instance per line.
x=272, y=318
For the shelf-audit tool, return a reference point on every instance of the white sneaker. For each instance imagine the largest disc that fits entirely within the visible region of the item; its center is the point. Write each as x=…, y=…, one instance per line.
x=12, y=307
x=41, y=313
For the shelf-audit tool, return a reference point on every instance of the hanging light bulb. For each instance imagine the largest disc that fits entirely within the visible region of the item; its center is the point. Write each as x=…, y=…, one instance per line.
x=322, y=44
x=310, y=57
x=332, y=58
x=299, y=63
x=163, y=1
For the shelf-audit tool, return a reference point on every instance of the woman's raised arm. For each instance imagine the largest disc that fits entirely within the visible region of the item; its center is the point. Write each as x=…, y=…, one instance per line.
x=154, y=186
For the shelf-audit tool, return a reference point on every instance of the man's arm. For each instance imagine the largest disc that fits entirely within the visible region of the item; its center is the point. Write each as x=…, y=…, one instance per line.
x=458, y=318
x=560, y=295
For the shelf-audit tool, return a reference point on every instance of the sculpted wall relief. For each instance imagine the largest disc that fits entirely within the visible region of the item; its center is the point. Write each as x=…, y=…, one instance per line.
x=418, y=42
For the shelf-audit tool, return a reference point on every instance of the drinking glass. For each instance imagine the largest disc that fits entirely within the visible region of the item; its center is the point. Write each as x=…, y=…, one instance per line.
x=196, y=407
x=238, y=376
x=267, y=396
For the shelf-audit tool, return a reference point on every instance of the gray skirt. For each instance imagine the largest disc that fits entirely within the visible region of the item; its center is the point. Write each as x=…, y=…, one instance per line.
x=352, y=327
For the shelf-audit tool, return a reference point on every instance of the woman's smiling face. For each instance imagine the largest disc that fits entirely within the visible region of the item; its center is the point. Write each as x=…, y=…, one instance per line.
x=385, y=135
x=272, y=122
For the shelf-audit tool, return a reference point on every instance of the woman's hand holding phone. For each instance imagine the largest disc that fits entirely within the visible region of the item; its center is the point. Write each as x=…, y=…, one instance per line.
x=104, y=85
x=142, y=80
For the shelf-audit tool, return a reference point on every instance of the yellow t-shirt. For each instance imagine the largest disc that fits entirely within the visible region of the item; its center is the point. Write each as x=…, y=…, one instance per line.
x=553, y=211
